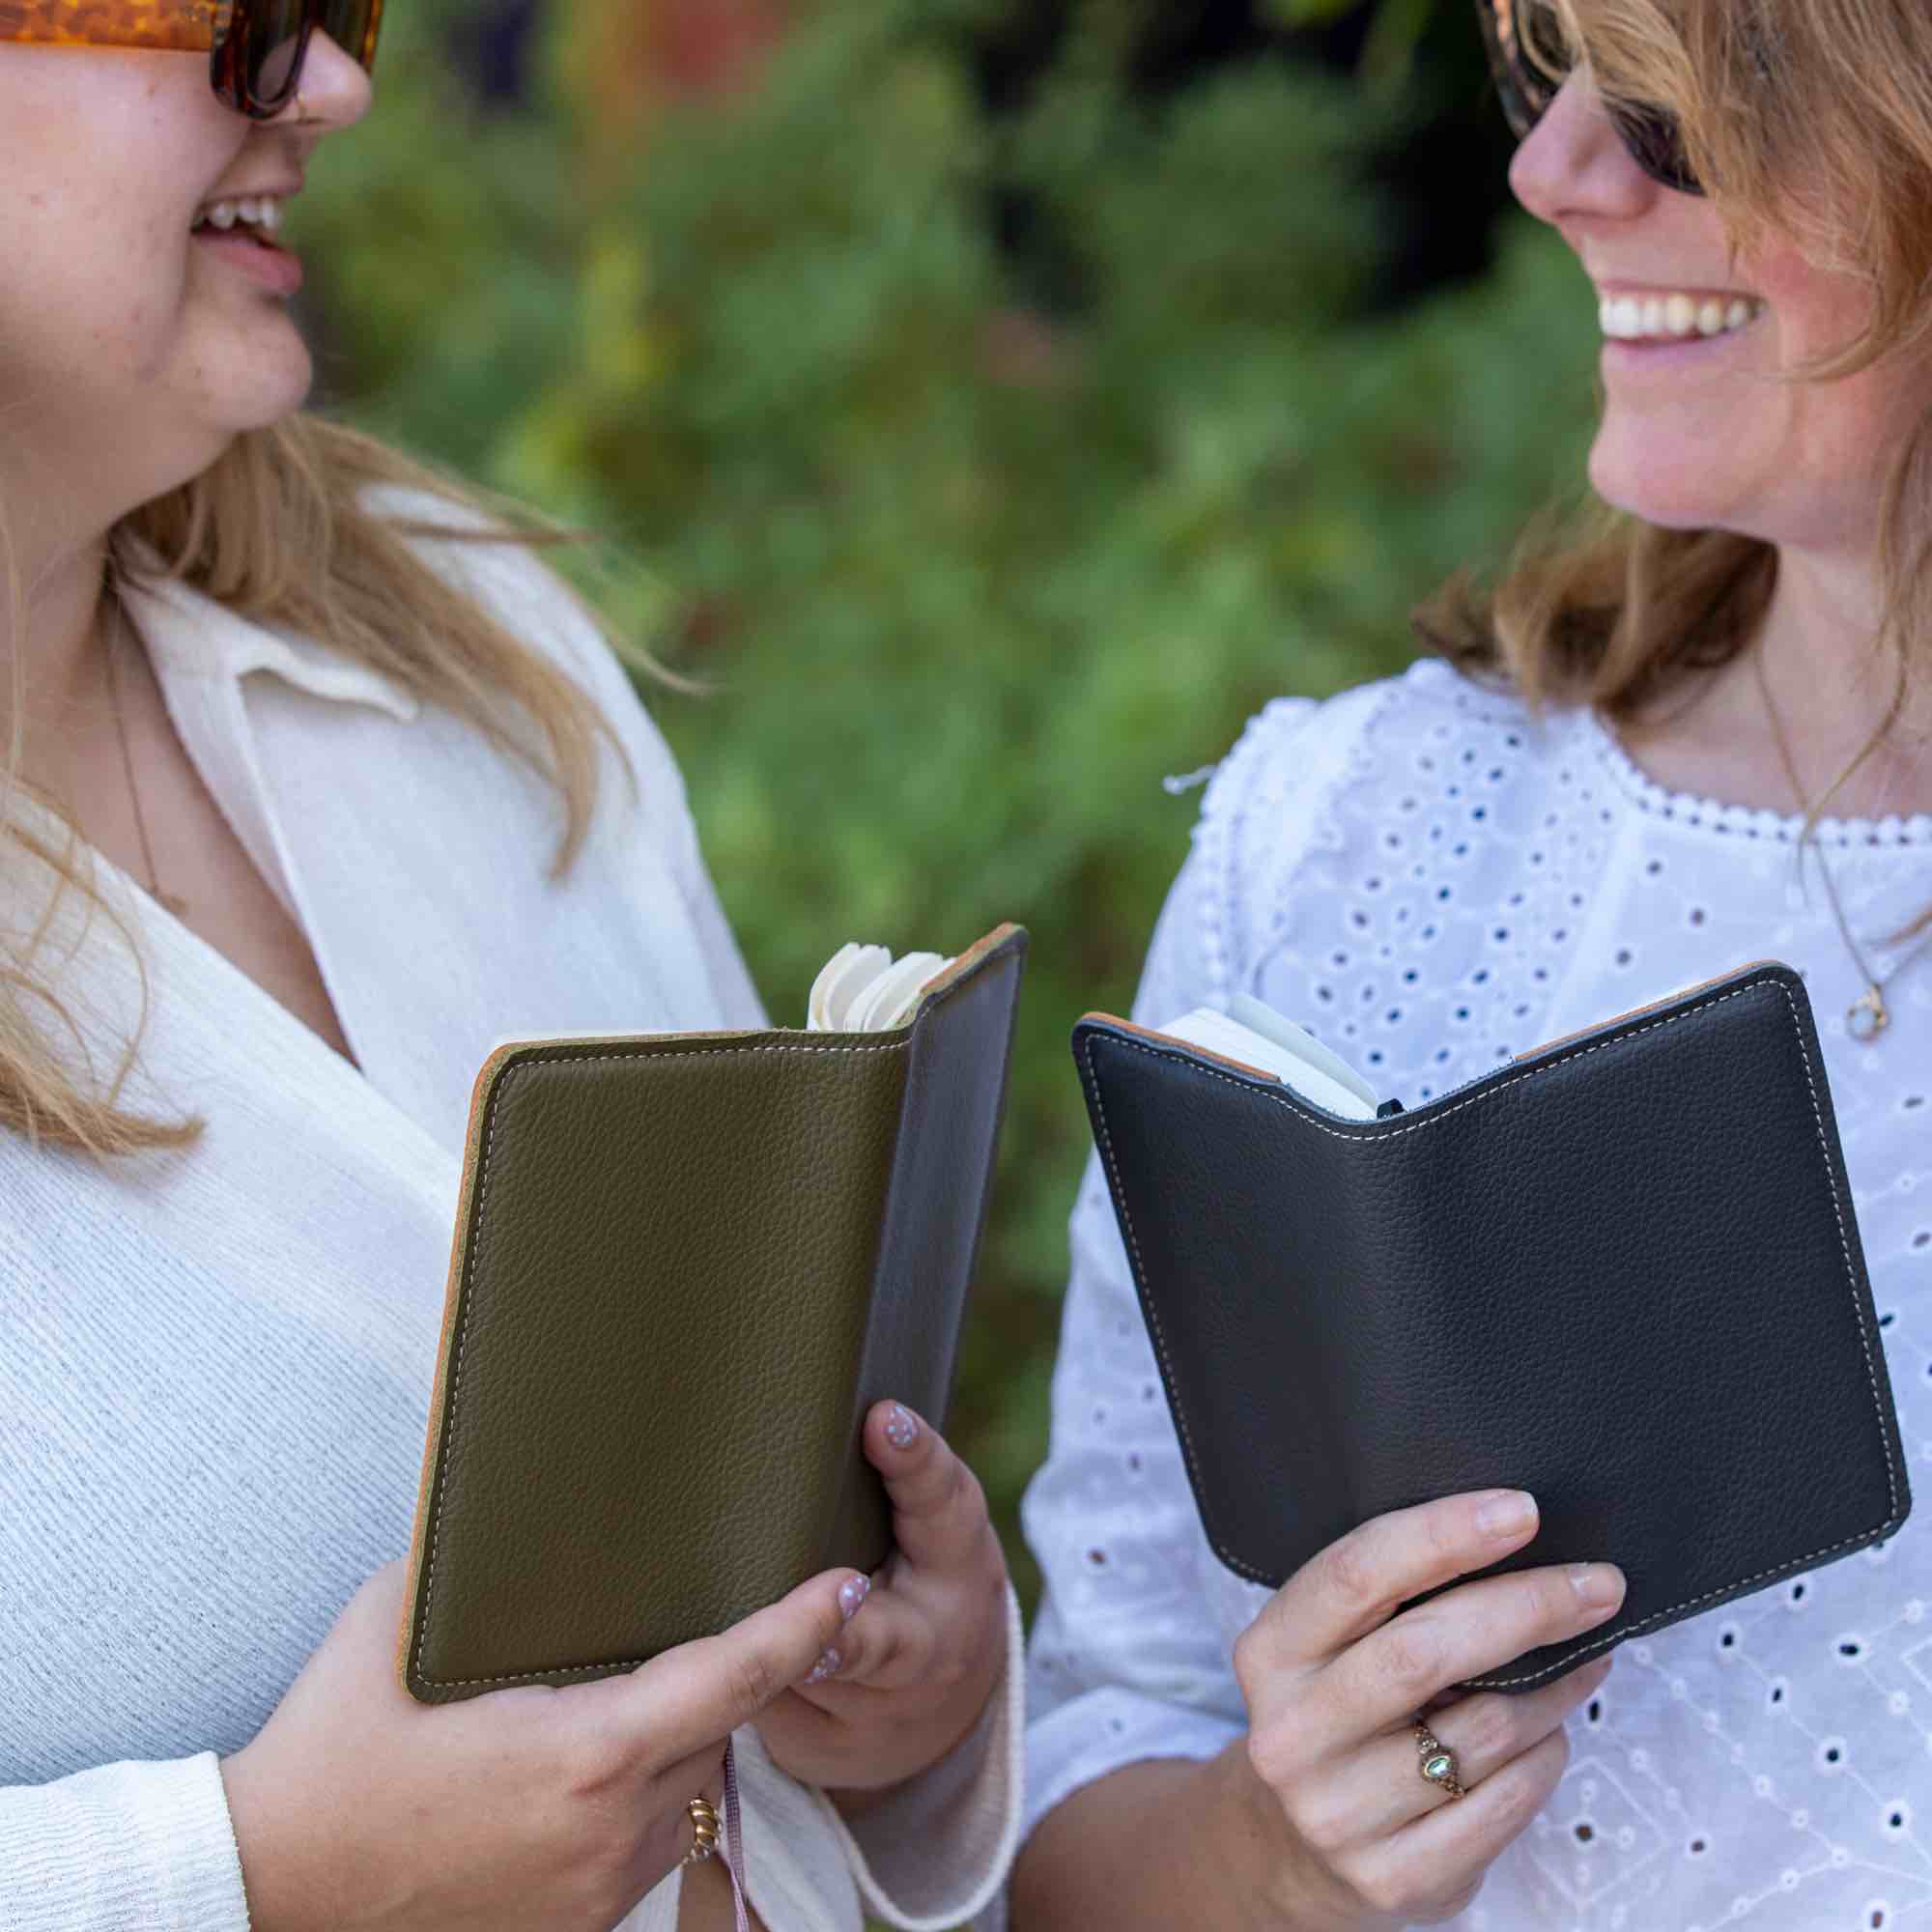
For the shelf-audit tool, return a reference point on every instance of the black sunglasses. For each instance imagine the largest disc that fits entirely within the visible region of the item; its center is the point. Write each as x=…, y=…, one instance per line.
x=1527, y=60
x=256, y=48
x=257, y=64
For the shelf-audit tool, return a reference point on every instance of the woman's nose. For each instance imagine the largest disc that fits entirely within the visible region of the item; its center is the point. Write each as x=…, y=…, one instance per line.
x=1574, y=150
x=335, y=87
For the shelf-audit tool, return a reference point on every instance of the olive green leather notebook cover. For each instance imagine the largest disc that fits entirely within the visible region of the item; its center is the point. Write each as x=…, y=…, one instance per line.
x=684, y=1267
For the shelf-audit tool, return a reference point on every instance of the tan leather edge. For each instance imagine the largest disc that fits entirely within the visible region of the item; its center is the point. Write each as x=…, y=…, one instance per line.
x=479, y=1107
x=631, y=1039
x=963, y=968
x=1185, y=1046
x=1637, y=1012
x=961, y=971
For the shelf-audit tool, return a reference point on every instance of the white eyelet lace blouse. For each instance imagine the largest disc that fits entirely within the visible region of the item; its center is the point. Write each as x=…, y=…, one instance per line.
x=1432, y=883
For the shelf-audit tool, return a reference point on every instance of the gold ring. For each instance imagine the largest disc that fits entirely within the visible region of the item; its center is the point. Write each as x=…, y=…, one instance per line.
x=1438, y=1761
x=705, y=1830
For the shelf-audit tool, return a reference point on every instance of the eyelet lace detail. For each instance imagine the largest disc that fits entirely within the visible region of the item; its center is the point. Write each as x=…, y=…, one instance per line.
x=1742, y=820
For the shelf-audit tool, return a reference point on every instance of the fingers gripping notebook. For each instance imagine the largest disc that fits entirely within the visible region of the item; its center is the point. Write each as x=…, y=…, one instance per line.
x=684, y=1267
x=1622, y=1272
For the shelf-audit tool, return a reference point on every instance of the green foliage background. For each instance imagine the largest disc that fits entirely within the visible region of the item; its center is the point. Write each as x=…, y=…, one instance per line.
x=978, y=547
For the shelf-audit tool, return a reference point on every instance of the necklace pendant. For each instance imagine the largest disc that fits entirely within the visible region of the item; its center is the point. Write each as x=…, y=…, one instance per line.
x=1866, y=1016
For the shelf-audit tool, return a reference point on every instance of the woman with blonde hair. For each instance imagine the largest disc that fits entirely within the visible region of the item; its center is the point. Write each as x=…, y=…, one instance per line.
x=1600, y=796
x=318, y=781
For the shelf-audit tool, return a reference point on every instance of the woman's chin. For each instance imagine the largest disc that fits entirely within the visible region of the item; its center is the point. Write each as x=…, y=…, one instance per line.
x=1643, y=479
x=263, y=386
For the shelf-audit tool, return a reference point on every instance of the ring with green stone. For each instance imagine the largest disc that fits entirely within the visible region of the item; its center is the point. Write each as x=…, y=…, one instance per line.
x=1438, y=1760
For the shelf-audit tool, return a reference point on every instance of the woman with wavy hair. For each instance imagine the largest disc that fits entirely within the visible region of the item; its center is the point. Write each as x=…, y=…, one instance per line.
x=319, y=781
x=1596, y=790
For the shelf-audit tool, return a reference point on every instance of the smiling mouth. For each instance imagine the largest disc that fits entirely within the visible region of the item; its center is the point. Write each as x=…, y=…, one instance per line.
x=254, y=255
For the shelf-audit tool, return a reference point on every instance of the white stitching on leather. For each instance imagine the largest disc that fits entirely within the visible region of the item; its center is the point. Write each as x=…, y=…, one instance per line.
x=462, y=1332
x=569, y=1673
x=1302, y=1110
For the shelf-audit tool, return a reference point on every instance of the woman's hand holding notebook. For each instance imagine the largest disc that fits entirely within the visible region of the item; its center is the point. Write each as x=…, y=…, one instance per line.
x=1621, y=1273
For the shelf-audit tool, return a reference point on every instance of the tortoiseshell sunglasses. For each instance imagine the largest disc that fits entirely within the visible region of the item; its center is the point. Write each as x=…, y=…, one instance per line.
x=256, y=48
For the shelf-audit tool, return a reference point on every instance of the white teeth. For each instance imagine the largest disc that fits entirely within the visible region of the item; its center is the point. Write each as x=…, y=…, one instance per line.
x=1678, y=315
x=264, y=211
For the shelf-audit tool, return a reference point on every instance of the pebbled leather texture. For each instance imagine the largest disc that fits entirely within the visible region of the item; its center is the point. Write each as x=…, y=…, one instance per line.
x=1622, y=1273
x=683, y=1266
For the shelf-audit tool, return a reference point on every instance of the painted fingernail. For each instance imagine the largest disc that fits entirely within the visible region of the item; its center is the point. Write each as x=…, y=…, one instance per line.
x=1508, y=1513
x=852, y=1593
x=901, y=1428
x=827, y=1664
x=1598, y=1585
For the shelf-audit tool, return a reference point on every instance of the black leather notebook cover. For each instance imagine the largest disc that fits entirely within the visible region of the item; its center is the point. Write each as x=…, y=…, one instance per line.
x=1621, y=1273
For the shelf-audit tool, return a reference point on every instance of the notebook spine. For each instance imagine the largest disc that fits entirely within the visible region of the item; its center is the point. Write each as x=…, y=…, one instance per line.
x=952, y=1108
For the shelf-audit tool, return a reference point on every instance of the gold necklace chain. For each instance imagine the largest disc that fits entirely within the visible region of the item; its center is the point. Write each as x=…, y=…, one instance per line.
x=179, y=907
x=1867, y=1015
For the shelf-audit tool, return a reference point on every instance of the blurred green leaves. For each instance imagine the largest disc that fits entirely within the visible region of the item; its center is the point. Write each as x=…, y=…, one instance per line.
x=980, y=541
